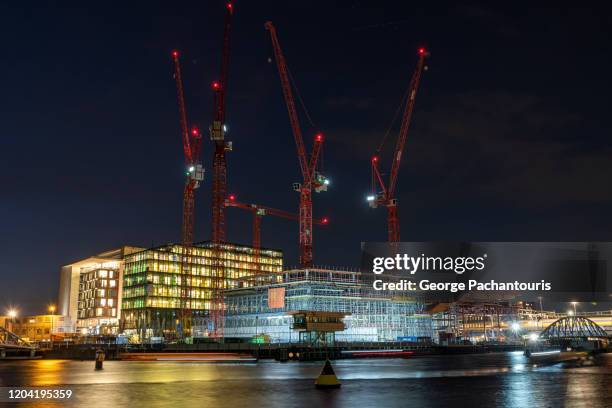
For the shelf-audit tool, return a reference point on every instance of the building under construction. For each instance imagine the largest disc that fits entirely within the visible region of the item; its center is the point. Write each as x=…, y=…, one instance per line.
x=161, y=284
x=266, y=312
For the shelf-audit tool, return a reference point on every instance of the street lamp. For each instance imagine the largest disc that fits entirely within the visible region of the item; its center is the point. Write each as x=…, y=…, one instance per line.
x=52, y=311
x=12, y=313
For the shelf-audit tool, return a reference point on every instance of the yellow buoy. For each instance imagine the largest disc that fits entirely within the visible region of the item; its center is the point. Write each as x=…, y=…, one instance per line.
x=327, y=378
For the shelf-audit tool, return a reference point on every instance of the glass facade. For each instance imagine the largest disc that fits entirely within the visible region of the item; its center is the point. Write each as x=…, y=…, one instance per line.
x=159, y=282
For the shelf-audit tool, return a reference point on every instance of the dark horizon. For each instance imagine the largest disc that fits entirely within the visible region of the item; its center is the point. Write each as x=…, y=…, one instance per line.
x=509, y=139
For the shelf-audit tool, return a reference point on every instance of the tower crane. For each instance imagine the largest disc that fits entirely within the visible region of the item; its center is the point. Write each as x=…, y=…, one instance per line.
x=260, y=211
x=386, y=195
x=217, y=136
x=312, y=180
x=218, y=129
x=194, y=175
x=192, y=142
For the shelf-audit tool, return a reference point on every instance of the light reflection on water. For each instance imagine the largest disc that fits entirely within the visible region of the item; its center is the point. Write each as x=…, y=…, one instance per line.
x=497, y=379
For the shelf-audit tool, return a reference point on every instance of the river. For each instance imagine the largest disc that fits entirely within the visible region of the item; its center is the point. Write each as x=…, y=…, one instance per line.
x=482, y=380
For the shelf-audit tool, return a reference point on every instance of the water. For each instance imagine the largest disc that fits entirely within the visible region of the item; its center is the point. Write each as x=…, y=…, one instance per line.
x=485, y=380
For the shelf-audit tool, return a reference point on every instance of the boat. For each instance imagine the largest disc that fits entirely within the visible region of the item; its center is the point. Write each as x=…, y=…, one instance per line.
x=555, y=356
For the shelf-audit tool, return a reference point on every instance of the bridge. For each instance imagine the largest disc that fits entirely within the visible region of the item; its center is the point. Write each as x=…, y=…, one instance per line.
x=13, y=346
x=576, y=331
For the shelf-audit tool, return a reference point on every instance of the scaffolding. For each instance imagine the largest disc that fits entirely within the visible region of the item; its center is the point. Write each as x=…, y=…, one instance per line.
x=371, y=315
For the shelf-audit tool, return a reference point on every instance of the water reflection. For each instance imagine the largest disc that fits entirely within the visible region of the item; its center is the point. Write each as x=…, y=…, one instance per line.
x=498, y=379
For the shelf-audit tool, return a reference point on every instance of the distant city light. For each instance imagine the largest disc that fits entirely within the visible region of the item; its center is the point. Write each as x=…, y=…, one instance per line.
x=192, y=168
x=12, y=313
x=326, y=182
x=534, y=336
x=516, y=327
x=370, y=198
x=570, y=312
x=51, y=309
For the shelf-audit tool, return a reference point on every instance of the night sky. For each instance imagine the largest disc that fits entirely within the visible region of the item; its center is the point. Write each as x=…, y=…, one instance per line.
x=510, y=138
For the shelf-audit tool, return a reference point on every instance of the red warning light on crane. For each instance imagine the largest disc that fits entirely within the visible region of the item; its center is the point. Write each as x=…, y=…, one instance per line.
x=232, y=197
x=325, y=220
x=195, y=131
x=421, y=51
x=374, y=159
x=319, y=137
x=216, y=85
x=175, y=53
x=230, y=5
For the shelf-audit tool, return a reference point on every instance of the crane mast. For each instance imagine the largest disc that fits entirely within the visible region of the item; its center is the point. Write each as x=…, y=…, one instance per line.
x=192, y=142
x=387, y=196
x=217, y=136
x=218, y=129
x=194, y=171
x=311, y=179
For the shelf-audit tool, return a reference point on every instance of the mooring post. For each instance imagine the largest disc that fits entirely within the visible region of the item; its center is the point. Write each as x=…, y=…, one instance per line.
x=99, y=359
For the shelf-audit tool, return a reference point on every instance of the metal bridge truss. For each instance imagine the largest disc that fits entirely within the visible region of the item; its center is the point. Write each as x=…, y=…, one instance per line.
x=573, y=327
x=9, y=339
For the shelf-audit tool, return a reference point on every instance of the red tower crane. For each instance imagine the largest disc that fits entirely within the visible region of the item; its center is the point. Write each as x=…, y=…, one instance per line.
x=192, y=142
x=311, y=178
x=386, y=195
x=217, y=135
x=219, y=181
x=261, y=210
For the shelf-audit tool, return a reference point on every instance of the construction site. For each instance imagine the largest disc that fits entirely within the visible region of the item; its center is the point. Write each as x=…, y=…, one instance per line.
x=220, y=291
